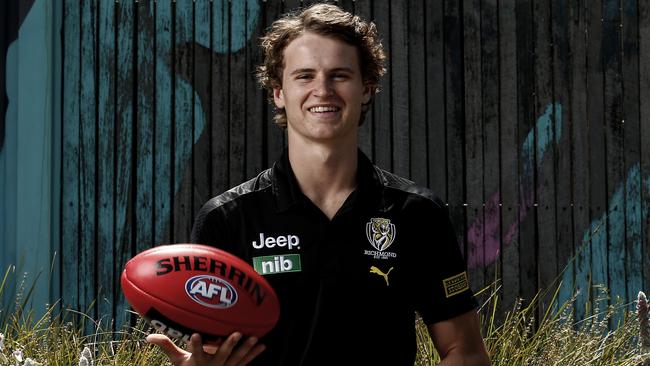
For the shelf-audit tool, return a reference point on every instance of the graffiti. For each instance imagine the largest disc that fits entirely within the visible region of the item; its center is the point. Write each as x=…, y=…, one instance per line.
x=234, y=22
x=25, y=161
x=600, y=259
x=547, y=130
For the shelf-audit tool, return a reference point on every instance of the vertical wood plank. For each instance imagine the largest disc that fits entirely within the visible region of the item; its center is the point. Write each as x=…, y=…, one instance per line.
x=474, y=135
x=88, y=160
x=364, y=10
x=562, y=78
x=347, y=5
x=632, y=126
x=597, y=154
x=614, y=145
x=580, y=160
x=400, y=85
x=510, y=149
x=417, y=155
x=275, y=136
x=526, y=130
x=382, y=142
x=145, y=85
x=238, y=104
x=201, y=139
x=491, y=129
x=124, y=122
x=546, y=135
x=454, y=118
x=162, y=149
x=70, y=165
x=183, y=119
x=291, y=5
x=106, y=162
x=255, y=123
x=644, y=115
x=219, y=96
x=435, y=96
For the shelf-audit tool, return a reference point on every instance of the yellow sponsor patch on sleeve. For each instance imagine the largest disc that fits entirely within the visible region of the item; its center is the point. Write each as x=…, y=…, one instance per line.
x=455, y=284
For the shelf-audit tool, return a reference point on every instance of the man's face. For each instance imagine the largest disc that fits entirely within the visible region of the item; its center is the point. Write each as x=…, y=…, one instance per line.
x=322, y=88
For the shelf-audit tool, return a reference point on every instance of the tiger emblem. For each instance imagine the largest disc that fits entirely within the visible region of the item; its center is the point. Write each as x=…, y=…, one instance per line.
x=380, y=232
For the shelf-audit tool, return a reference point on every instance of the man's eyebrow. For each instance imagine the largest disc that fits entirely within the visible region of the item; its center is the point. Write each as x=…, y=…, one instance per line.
x=308, y=70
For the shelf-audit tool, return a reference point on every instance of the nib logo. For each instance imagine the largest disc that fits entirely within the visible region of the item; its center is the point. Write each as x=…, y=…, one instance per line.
x=272, y=264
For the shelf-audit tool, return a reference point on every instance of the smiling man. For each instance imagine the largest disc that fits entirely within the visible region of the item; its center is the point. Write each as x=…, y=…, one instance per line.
x=352, y=250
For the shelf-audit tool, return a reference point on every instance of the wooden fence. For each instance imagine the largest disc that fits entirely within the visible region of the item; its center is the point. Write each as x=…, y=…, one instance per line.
x=525, y=116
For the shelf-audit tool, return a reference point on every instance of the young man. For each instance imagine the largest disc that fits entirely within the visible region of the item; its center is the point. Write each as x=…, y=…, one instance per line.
x=362, y=249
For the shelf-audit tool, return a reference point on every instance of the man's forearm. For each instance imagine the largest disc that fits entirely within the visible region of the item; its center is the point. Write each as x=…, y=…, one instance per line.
x=470, y=359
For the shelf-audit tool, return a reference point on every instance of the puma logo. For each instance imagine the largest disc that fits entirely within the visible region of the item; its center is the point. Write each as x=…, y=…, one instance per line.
x=377, y=271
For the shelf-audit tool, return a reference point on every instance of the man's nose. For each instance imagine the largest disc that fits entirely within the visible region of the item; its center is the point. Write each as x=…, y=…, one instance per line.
x=323, y=87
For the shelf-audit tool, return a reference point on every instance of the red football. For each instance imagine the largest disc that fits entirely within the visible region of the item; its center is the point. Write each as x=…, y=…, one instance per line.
x=190, y=288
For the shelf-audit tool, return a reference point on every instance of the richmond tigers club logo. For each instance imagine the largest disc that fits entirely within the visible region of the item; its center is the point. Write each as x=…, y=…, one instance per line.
x=380, y=233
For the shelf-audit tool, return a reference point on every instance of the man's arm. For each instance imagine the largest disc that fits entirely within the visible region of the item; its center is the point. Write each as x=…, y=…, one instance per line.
x=459, y=342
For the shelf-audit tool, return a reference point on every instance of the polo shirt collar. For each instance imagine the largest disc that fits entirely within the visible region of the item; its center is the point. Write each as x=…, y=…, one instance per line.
x=287, y=192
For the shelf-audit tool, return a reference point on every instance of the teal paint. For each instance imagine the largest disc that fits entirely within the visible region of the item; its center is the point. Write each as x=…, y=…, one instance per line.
x=486, y=228
x=70, y=161
x=27, y=168
x=144, y=157
x=546, y=132
x=634, y=235
x=244, y=15
x=183, y=122
x=221, y=22
x=163, y=124
x=88, y=134
x=124, y=129
x=56, y=107
x=105, y=174
x=238, y=26
x=8, y=160
x=615, y=249
x=593, y=264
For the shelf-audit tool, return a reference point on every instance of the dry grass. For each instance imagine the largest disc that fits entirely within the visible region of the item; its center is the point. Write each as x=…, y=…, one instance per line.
x=525, y=335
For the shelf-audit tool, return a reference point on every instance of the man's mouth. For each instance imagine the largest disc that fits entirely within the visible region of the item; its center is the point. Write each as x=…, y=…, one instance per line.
x=324, y=109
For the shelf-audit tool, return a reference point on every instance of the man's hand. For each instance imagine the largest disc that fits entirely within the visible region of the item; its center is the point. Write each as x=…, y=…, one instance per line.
x=227, y=354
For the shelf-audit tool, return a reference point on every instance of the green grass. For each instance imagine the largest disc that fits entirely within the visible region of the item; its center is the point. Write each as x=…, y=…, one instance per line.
x=530, y=333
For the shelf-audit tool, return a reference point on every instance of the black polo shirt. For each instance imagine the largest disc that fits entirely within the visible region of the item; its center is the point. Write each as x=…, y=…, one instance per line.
x=350, y=285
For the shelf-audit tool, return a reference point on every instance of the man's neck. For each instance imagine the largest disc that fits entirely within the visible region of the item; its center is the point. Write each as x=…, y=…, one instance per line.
x=325, y=175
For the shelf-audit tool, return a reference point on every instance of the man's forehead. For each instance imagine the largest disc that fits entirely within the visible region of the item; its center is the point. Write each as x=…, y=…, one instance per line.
x=313, y=51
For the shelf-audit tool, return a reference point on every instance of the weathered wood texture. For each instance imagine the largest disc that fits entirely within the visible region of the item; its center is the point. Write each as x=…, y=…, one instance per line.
x=528, y=118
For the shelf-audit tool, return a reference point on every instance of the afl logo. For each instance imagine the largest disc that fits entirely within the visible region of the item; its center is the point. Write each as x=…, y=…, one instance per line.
x=211, y=291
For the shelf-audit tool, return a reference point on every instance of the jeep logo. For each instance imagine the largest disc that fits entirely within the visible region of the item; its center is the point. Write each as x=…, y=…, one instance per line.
x=281, y=241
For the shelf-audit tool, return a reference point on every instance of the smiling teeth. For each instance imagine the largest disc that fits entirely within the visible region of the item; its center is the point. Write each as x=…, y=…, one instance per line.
x=323, y=109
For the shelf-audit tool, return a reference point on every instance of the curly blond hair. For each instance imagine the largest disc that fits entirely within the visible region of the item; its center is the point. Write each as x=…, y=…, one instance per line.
x=326, y=20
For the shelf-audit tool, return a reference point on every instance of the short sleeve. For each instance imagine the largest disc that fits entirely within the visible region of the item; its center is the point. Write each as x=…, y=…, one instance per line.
x=210, y=227
x=439, y=269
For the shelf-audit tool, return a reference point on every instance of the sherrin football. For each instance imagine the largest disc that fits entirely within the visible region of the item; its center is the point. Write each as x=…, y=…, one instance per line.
x=183, y=289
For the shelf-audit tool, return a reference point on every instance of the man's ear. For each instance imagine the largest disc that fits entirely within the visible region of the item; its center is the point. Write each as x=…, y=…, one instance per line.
x=278, y=98
x=367, y=94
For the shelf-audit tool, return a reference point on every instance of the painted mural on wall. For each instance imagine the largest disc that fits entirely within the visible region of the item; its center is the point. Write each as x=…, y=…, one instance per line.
x=97, y=203
x=25, y=144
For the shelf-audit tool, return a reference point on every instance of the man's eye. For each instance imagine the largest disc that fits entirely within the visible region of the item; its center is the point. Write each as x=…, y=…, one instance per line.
x=340, y=76
x=303, y=77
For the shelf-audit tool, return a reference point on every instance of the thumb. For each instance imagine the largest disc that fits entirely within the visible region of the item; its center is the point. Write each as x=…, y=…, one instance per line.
x=176, y=355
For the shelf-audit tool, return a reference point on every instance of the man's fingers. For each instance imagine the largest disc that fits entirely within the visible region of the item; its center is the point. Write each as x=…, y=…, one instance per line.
x=259, y=348
x=225, y=350
x=245, y=352
x=196, y=345
x=176, y=355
